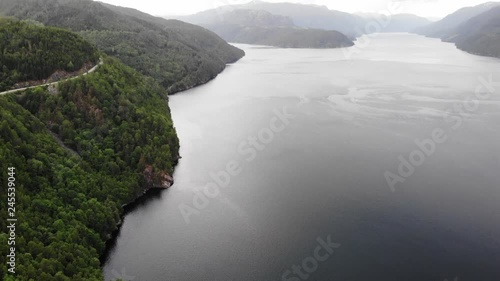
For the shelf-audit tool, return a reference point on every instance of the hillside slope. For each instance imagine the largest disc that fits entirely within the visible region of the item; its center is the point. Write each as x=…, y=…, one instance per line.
x=303, y=15
x=480, y=35
x=24, y=45
x=80, y=151
x=473, y=29
x=446, y=27
x=178, y=55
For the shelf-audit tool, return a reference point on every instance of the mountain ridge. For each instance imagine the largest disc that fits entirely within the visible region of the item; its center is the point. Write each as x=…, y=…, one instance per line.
x=178, y=55
x=447, y=25
x=473, y=29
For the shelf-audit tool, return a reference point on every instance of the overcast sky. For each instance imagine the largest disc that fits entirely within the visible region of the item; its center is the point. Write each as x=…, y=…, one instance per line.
x=426, y=8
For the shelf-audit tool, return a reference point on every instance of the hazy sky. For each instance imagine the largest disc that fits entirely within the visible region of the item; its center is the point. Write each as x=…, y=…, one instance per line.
x=427, y=8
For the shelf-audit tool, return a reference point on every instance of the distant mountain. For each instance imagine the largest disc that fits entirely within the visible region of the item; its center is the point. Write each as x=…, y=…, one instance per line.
x=398, y=22
x=473, y=29
x=286, y=37
x=446, y=27
x=305, y=16
x=178, y=55
x=247, y=17
x=263, y=28
x=480, y=35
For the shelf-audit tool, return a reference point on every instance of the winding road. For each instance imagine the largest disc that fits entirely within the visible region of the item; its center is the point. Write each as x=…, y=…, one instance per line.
x=54, y=83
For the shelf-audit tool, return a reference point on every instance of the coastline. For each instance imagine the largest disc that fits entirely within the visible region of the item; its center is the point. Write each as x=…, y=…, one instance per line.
x=147, y=194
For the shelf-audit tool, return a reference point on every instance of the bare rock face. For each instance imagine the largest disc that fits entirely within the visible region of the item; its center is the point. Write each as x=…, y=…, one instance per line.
x=157, y=179
x=165, y=180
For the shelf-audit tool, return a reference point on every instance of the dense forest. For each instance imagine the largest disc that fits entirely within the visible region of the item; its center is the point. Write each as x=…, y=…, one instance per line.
x=176, y=54
x=81, y=150
x=30, y=52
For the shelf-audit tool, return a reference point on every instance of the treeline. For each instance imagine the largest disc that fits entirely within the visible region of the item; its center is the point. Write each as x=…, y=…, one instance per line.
x=31, y=52
x=115, y=125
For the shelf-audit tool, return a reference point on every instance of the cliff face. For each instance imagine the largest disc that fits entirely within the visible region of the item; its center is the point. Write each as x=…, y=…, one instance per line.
x=161, y=179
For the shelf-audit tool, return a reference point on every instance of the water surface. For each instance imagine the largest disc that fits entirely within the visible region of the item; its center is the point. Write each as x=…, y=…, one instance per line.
x=320, y=174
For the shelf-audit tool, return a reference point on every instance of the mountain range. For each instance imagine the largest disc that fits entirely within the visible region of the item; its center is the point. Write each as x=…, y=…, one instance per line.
x=397, y=22
x=263, y=28
x=301, y=25
x=448, y=25
x=473, y=29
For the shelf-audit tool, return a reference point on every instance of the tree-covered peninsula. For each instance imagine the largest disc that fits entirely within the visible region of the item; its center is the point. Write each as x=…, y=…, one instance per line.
x=80, y=150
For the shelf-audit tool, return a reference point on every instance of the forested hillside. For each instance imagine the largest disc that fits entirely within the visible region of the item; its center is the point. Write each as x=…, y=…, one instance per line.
x=30, y=52
x=80, y=150
x=473, y=29
x=178, y=55
x=480, y=35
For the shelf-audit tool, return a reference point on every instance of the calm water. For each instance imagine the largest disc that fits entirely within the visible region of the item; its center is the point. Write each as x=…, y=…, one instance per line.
x=309, y=137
